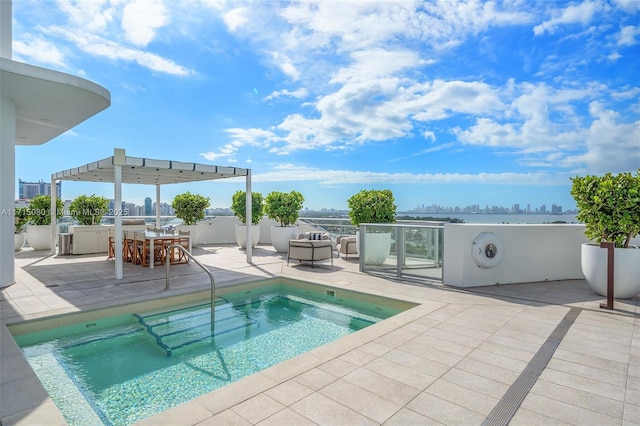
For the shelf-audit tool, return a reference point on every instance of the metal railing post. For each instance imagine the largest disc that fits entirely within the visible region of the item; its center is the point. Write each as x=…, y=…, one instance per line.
x=400, y=250
x=213, y=284
x=610, y=255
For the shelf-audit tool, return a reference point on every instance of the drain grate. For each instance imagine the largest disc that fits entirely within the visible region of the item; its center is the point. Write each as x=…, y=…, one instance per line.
x=504, y=411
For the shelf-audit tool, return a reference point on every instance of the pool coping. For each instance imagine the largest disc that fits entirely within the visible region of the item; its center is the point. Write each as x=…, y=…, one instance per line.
x=315, y=377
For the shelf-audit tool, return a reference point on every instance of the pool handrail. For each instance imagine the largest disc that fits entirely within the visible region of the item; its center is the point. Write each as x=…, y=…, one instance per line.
x=190, y=256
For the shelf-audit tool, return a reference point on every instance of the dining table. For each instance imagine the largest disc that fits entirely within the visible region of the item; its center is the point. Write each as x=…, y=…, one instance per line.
x=162, y=235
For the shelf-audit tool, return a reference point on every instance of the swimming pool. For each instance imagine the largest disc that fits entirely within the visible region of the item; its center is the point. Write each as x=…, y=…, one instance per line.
x=121, y=369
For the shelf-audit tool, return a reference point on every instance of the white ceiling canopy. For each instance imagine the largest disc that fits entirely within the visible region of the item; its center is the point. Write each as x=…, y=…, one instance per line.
x=148, y=171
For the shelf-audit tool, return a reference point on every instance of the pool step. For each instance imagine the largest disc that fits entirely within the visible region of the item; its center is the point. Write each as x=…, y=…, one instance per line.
x=185, y=327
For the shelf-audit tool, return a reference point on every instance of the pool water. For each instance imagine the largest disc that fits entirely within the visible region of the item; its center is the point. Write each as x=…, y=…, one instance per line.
x=124, y=369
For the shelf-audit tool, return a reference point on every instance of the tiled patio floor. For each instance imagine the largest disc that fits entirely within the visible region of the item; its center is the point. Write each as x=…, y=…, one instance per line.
x=450, y=360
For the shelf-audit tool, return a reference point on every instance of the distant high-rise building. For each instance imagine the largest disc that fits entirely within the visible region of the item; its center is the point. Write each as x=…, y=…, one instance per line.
x=30, y=190
x=165, y=209
x=148, y=207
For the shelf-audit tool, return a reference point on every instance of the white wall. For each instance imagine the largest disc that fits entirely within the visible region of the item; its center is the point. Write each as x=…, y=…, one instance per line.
x=221, y=230
x=532, y=252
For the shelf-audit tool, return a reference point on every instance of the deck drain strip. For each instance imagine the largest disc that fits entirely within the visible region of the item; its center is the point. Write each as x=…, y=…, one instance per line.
x=512, y=399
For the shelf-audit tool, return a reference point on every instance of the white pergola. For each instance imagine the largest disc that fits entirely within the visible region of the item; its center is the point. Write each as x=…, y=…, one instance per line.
x=121, y=169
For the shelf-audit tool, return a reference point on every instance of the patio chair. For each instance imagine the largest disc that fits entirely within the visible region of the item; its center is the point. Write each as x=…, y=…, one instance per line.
x=346, y=245
x=126, y=246
x=112, y=245
x=178, y=256
x=311, y=246
x=143, y=255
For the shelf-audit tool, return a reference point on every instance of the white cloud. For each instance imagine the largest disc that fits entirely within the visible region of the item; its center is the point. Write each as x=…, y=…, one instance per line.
x=612, y=146
x=113, y=29
x=329, y=177
x=375, y=63
x=141, y=19
x=286, y=65
x=39, y=50
x=93, y=16
x=630, y=6
x=297, y=94
x=627, y=36
x=573, y=14
x=110, y=49
x=235, y=18
x=439, y=99
x=429, y=135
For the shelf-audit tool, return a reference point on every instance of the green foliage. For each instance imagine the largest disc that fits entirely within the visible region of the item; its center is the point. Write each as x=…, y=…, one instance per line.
x=40, y=210
x=609, y=206
x=372, y=206
x=239, y=206
x=21, y=218
x=88, y=210
x=190, y=207
x=284, y=207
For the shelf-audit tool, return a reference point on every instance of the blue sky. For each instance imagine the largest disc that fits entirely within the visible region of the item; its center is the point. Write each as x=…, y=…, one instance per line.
x=443, y=102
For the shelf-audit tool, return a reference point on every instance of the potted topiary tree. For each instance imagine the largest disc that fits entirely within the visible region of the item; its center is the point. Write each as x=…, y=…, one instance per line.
x=239, y=208
x=190, y=208
x=373, y=206
x=21, y=219
x=285, y=208
x=88, y=210
x=609, y=206
x=39, y=228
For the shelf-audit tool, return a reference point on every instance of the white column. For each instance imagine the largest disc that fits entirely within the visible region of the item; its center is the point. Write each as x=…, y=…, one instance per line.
x=157, y=206
x=119, y=159
x=54, y=219
x=7, y=189
x=248, y=213
x=5, y=29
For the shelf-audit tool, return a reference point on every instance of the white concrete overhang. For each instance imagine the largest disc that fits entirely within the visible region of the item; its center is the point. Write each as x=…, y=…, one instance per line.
x=48, y=103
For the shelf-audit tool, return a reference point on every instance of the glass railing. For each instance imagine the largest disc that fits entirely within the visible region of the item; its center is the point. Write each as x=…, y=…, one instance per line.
x=334, y=226
x=412, y=249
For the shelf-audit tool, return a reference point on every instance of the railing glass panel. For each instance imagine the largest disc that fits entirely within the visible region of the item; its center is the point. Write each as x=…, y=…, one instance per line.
x=404, y=249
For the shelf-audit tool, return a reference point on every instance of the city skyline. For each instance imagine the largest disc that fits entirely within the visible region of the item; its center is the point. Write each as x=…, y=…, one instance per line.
x=442, y=102
x=149, y=206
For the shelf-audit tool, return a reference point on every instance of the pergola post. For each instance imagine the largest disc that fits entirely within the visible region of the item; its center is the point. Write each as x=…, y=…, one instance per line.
x=249, y=218
x=54, y=213
x=157, y=206
x=119, y=160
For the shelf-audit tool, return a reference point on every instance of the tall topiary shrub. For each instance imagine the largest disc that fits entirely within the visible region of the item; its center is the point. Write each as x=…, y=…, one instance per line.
x=284, y=206
x=372, y=206
x=239, y=206
x=88, y=210
x=609, y=206
x=40, y=210
x=21, y=218
x=190, y=207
